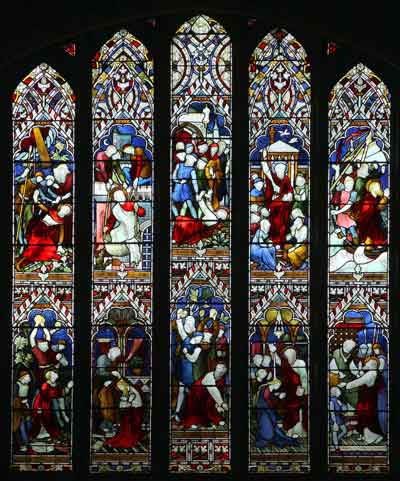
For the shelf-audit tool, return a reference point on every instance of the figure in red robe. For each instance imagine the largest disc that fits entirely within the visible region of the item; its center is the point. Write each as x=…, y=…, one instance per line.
x=102, y=175
x=367, y=213
x=190, y=231
x=102, y=170
x=65, y=181
x=292, y=403
x=42, y=412
x=368, y=385
x=204, y=403
x=367, y=408
x=279, y=200
x=45, y=358
x=44, y=236
x=131, y=413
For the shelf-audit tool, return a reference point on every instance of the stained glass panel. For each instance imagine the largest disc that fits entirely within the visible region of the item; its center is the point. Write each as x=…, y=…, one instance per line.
x=122, y=246
x=43, y=248
x=201, y=139
x=279, y=177
x=358, y=295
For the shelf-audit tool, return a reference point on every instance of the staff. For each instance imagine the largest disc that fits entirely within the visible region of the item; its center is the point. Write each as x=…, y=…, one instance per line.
x=21, y=210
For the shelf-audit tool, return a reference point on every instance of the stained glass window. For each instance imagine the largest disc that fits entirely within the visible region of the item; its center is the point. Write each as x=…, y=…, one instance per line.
x=42, y=313
x=201, y=141
x=358, y=317
x=90, y=390
x=279, y=173
x=121, y=326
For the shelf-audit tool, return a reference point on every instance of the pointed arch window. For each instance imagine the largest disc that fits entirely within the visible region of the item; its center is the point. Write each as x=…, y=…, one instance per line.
x=201, y=139
x=279, y=179
x=358, y=281
x=43, y=117
x=122, y=286
x=91, y=304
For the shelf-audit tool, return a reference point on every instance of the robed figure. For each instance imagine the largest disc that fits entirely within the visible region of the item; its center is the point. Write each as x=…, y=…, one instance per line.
x=131, y=413
x=268, y=431
x=204, y=403
x=278, y=199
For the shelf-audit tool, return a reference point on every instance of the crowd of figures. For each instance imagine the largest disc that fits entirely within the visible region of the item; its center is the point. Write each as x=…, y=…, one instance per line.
x=122, y=175
x=279, y=206
x=358, y=376
x=359, y=195
x=200, y=361
x=200, y=188
x=42, y=384
x=279, y=381
x=43, y=177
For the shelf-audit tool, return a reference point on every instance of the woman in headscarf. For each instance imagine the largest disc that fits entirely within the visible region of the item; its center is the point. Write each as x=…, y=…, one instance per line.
x=268, y=431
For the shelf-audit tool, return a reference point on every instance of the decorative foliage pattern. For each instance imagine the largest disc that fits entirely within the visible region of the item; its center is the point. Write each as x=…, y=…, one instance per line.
x=279, y=173
x=200, y=247
x=121, y=326
x=42, y=318
x=358, y=335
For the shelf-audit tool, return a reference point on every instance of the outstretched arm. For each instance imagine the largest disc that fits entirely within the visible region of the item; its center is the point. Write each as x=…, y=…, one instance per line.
x=267, y=172
x=343, y=209
x=366, y=379
x=209, y=382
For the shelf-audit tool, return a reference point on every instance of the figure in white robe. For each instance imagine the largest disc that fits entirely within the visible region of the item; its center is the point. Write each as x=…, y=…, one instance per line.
x=122, y=231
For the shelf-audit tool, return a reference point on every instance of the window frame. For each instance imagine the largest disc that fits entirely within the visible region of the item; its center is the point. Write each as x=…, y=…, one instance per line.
x=325, y=72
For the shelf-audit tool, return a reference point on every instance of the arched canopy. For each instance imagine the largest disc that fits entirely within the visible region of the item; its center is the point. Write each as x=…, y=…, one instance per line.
x=201, y=25
x=359, y=101
x=44, y=100
x=122, y=47
x=279, y=88
x=123, y=88
x=360, y=94
x=201, y=59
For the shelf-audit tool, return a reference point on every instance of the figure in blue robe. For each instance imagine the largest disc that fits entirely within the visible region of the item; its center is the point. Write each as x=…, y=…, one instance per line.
x=261, y=253
x=268, y=430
